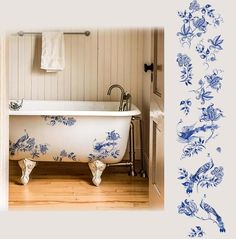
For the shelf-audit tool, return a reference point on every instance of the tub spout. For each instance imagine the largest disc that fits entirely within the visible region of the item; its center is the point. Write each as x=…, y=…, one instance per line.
x=122, y=94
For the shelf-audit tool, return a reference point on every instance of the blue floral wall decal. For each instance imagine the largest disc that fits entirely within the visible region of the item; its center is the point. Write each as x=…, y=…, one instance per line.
x=184, y=62
x=64, y=120
x=191, y=209
x=209, y=53
x=195, y=21
x=209, y=84
x=195, y=136
x=206, y=176
x=27, y=144
x=106, y=148
x=185, y=106
x=196, y=232
x=64, y=154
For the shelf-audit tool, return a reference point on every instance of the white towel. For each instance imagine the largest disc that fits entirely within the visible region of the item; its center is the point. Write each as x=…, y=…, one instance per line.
x=53, y=51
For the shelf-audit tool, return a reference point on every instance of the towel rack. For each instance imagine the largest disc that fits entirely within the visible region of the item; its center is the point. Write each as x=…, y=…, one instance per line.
x=22, y=33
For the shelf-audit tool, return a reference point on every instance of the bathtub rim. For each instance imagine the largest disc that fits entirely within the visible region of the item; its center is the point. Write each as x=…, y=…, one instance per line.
x=133, y=112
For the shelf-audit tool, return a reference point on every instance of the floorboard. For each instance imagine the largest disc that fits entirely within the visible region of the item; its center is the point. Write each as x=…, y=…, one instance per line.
x=68, y=186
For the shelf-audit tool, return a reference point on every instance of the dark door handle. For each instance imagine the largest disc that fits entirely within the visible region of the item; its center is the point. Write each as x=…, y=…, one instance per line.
x=148, y=67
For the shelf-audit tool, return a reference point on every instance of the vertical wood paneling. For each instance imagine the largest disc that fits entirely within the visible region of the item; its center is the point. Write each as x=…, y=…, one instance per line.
x=107, y=65
x=75, y=84
x=121, y=52
x=114, y=61
x=91, y=67
x=67, y=71
x=134, y=68
x=101, y=66
x=140, y=59
x=13, y=66
x=127, y=61
x=21, y=69
x=38, y=81
x=80, y=64
x=28, y=67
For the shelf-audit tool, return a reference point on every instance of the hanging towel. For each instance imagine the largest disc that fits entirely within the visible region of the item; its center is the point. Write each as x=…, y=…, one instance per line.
x=53, y=51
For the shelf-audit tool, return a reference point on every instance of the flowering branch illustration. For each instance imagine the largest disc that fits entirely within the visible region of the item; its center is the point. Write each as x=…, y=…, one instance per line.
x=207, y=85
x=191, y=209
x=208, y=53
x=206, y=176
x=184, y=62
x=189, y=135
x=107, y=147
x=196, y=21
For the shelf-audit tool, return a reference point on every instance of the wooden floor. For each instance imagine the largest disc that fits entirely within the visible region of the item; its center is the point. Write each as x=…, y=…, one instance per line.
x=68, y=186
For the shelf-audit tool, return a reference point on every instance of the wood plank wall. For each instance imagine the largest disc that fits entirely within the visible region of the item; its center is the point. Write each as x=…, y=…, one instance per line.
x=92, y=64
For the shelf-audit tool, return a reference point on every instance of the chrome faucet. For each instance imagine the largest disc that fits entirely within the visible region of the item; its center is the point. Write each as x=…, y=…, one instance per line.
x=16, y=104
x=122, y=94
x=128, y=101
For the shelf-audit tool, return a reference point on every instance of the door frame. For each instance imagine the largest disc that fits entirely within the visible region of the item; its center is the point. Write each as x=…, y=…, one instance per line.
x=156, y=193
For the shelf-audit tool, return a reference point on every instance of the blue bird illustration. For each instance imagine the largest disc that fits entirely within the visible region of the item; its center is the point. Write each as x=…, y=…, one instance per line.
x=187, y=133
x=202, y=170
x=210, y=210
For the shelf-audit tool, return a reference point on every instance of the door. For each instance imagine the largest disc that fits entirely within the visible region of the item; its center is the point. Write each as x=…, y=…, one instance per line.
x=156, y=136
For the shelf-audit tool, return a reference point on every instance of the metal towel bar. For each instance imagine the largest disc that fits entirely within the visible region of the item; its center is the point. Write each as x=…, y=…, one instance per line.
x=22, y=33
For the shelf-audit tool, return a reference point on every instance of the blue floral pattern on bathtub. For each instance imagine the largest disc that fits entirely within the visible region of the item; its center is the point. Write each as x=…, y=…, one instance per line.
x=195, y=133
x=28, y=144
x=64, y=154
x=106, y=148
x=57, y=120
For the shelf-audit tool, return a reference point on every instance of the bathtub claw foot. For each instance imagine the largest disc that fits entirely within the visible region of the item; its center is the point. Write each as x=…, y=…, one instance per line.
x=97, y=167
x=26, y=166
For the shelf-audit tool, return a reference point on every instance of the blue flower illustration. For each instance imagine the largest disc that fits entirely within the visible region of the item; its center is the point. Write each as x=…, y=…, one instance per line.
x=27, y=144
x=215, y=43
x=212, y=81
x=113, y=136
x=53, y=120
x=209, y=53
x=64, y=154
x=200, y=23
x=185, y=106
x=184, y=62
x=206, y=176
x=188, y=207
x=211, y=114
x=196, y=21
x=107, y=147
x=196, y=232
x=194, y=6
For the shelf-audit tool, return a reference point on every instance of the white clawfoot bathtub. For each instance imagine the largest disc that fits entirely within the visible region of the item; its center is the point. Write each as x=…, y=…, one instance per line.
x=69, y=131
